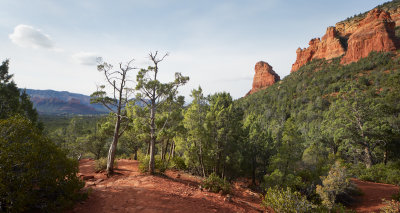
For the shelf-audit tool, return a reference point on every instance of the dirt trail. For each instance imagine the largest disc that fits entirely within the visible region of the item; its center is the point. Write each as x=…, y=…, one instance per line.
x=373, y=193
x=131, y=191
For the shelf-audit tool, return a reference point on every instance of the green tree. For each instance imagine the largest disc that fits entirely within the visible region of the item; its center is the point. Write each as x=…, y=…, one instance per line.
x=356, y=119
x=196, y=141
x=96, y=142
x=223, y=126
x=152, y=93
x=35, y=173
x=257, y=145
x=12, y=101
x=288, y=156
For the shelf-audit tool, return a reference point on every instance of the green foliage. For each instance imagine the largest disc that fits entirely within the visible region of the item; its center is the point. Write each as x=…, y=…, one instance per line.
x=257, y=146
x=277, y=178
x=216, y=184
x=335, y=187
x=380, y=173
x=159, y=165
x=34, y=173
x=224, y=130
x=286, y=200
x=12, y=100
x=309, y=114
x=101, y=164
x=178, y=163
x=392, y=206
x=396, y=196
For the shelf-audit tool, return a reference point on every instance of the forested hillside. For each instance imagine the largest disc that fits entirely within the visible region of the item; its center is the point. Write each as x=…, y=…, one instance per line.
x=327, y=102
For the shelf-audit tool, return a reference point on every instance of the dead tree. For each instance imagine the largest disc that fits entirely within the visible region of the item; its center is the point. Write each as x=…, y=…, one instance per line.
x=117, y=83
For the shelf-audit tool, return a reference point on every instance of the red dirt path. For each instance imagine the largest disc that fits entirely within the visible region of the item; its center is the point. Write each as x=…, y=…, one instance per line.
x=373, y=193
x=132, y=191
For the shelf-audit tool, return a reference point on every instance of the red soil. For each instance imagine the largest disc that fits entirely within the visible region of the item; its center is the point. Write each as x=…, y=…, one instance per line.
x=131, y=191
x=373, y=193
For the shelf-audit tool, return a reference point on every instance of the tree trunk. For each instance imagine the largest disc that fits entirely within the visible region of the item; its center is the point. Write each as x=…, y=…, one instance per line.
x=113, y=147
x=253, y=171
x=172, y=151
x=367, y=157
x=164, y=152
x=202, y=163
x=135, y=156
x=152, y=136
x=385, y=155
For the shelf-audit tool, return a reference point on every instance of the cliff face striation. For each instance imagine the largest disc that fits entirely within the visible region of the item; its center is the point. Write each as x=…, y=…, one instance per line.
x=353, y=39
x=374, y=33
x=328, y=47
x=264, y=77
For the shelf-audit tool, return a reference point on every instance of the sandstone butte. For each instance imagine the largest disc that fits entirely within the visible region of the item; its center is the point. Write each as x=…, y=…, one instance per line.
x=374, y=32
x=264, y=77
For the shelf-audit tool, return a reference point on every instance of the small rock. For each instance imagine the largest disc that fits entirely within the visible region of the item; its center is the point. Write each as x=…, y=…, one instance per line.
x=228, y=198
x=89, y=183
x=87, y=177
x=98, y=181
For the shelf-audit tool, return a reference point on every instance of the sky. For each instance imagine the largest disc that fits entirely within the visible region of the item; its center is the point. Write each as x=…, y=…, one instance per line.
x=53, y=44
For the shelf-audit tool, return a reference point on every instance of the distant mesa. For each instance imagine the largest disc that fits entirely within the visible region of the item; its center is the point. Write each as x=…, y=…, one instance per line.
x=353, y=39
x=52, y=102
x=264, y=77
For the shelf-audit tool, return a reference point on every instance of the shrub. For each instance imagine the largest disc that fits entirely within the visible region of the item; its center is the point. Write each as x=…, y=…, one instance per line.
x=216, y=184
x=286, y=200
x=123, y=156
x=178, y=163
x=101, y=164
x=159, y=165
x=390, y=206
x=396, y=196
x=277, y=178
x=379, y=173
x=35, y=174
x=336, y=187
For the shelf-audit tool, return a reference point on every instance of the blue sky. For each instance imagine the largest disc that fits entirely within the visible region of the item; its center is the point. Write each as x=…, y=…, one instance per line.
x=53, y=44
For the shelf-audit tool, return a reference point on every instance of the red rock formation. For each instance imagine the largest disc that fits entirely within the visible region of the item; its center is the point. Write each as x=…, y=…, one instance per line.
x=375, y=33
x=328, y=47
x=264, y=77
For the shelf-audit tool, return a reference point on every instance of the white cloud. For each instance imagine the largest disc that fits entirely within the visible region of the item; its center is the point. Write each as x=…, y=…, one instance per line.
x=86, y=58
x=28, y=36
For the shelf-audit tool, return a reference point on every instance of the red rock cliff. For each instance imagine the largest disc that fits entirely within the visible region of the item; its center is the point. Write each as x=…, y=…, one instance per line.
x=264, y=77
x=374, y=32
x=328, y=47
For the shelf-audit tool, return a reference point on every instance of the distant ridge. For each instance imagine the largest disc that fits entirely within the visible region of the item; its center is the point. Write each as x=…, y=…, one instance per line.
x=53, y=102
